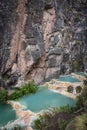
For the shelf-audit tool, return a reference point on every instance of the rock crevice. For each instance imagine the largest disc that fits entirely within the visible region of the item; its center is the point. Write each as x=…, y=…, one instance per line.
x=44, y=40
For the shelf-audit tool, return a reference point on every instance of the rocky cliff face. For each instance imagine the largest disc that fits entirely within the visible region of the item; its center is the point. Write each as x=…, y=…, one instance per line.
x=41, y=39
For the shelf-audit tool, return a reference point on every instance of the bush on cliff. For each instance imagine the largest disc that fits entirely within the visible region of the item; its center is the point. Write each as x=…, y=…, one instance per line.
x=79, y=123
x=82, y=98
x=3, y=96
x=28, y=88
x=66, y=118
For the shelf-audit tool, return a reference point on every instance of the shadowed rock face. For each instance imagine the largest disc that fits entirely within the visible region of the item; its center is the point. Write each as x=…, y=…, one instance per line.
x=41, y=39
x=3, y=84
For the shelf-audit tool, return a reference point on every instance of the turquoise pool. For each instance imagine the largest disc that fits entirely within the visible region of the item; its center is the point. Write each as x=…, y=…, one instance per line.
x=68, y=79
x=6, y=114
x=81, y=73
x=45, y=99
x=41, y=100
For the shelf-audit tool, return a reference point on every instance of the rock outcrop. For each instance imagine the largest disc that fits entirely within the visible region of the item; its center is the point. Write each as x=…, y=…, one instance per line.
x=41, y=39
x=24, y=115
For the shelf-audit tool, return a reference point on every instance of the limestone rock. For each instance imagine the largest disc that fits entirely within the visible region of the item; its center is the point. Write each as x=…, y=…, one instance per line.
x=40, y=39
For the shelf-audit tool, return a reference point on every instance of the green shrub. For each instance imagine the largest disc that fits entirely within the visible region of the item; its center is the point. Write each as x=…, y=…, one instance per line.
x=3, y=96
x=81, y=122
x=28, y=88
x=70, y=89
x=68, y=109
x=79, y=102
x=5, y=77
x=78, y=89
x=85, y=82
x=16, y=95
x=42, y=123
x=62, y=124
x=37, y=124
x=31, y=87
x=82, y=98
x=76, y=65
x=78, y=123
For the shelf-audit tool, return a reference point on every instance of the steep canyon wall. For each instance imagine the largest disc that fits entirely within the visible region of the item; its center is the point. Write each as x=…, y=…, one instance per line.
x=41, y=39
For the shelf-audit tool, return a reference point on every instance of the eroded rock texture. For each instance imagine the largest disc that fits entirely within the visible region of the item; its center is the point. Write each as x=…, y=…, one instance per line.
x=41, y=39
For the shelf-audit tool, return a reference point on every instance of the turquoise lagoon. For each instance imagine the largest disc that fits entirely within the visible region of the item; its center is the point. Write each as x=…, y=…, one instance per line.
x=6, y=114
x=80, y=73
x=68, y=78
x=41, y=100
x=45, y=99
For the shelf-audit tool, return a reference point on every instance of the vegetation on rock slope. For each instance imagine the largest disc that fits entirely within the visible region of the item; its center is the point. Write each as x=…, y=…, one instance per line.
x=65, y=118
x=28, y=88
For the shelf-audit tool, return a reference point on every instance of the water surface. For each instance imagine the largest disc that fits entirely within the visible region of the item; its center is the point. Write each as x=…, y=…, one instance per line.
x=68, y=79
x=41, y=100
x=6, y=114
x=45, y=99
x=81, y=73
